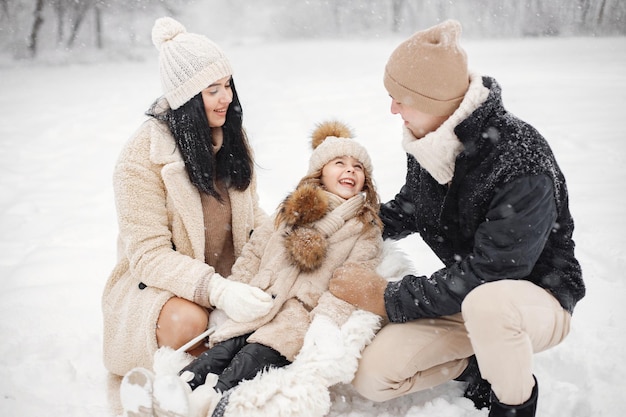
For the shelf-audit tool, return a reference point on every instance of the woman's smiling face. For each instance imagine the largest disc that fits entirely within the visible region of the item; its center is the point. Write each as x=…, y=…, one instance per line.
x=217, y=97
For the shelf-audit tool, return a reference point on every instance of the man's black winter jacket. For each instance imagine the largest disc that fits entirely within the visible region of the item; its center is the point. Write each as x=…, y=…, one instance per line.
x=504, y=215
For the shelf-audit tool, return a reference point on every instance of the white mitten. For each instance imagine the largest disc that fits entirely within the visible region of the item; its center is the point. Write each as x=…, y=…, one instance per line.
x=241, y=302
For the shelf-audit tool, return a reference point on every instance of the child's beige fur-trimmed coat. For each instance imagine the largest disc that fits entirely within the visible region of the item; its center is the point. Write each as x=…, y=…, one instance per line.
x=160, y=245
x=298, y=295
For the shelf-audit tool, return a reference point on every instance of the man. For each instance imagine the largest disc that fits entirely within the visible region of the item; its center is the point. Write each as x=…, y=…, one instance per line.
x=485, y=192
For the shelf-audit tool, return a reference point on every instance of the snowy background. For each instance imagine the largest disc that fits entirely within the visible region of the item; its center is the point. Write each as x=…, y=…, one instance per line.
x=62, y=127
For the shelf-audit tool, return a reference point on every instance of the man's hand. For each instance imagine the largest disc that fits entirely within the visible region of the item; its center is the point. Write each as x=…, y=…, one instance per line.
x=360, y=287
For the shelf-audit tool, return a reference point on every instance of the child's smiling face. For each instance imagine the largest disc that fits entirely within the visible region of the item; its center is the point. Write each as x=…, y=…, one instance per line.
x=343, y=176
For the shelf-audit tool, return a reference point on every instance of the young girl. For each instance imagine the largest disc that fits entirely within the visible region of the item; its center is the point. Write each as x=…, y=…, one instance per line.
x=329, y=220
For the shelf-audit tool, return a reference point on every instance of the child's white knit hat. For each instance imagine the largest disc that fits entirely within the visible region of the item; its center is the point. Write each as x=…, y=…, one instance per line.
x=188, y=62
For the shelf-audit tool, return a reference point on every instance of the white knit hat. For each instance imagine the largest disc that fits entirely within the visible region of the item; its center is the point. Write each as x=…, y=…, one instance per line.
x=333, y=139
x=188, y=62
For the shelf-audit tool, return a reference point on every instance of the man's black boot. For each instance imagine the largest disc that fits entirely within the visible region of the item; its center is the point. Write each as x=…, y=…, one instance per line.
x=478, y=389
x=528, y=409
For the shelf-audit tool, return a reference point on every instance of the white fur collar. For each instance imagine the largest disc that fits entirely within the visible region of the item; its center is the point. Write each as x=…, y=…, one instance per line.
x=437, y=151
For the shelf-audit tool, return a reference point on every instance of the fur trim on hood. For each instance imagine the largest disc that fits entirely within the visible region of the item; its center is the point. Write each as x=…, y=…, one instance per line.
x=306, y=204
x=305, y=245
x=311, y=216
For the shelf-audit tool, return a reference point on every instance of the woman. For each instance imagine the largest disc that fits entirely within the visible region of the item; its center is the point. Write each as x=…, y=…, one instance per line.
x=186, y=200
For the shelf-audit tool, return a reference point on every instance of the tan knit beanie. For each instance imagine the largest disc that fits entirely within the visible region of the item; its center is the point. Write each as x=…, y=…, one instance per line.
x=333, y=139
x=428, y=71
x=188, y=62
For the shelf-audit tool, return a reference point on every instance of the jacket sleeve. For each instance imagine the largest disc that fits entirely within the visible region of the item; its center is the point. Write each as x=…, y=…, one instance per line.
x=506, y=246
x=144, y=232
x=398, y=216
x=366, y=253
x=248, y=263
x=367, y=250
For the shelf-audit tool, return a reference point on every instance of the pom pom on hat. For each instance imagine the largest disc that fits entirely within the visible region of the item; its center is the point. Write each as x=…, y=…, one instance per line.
x=188, y=62
x=166, y=29
x=330, y=128
x=332, y=139
x=428, y=71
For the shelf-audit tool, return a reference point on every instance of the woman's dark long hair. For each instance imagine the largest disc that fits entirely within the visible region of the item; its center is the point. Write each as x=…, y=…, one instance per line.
x=232, y=165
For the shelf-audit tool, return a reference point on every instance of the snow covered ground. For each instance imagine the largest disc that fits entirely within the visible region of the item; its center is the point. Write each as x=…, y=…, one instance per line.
x=62, y=126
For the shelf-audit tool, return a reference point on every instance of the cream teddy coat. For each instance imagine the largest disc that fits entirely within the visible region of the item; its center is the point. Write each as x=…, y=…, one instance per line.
x=298, y=296
x=160, y=245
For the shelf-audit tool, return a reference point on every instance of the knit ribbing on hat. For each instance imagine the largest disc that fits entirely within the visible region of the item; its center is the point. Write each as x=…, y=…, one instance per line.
x=437, y=151
x=428, y=71
x=188, y=62
x=332, y=147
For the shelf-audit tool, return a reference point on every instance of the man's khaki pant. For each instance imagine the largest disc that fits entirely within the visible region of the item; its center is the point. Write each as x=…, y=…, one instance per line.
x=502, y=322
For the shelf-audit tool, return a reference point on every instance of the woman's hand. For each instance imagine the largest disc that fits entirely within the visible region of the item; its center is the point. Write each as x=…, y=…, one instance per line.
x=241, y=302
